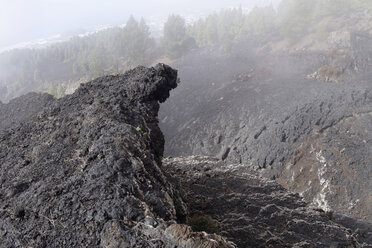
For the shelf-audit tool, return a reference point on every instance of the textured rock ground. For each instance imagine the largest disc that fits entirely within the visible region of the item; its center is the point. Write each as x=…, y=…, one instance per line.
x=333, y=168
x=84, y=172
x=257, y=212
x=22, y=108
x=260, y=109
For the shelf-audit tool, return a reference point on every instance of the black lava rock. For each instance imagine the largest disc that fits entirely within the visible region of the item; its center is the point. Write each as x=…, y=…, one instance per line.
x=85, y=171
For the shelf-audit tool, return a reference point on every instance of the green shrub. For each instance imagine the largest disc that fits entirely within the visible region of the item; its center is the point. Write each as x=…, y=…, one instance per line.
x=203, y=223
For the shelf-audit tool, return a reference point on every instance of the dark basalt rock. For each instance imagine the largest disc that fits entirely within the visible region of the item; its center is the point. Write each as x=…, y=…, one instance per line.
x=257, y=212
x=85, y=171
x=332, y=168
x=22, y=108
x=271, y=116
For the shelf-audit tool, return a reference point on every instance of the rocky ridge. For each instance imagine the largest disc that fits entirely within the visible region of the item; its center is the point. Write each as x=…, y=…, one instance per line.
x=85, y=171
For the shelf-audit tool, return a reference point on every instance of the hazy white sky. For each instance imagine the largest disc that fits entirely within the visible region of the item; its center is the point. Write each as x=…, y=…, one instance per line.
x=25, y=20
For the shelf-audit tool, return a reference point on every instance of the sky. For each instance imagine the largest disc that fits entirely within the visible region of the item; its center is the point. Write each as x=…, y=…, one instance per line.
x=27, y=20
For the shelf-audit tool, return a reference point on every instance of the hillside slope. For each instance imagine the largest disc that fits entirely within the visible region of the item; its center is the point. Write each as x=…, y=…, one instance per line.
x=86, y=171
x=256, y=212
x=260, y=108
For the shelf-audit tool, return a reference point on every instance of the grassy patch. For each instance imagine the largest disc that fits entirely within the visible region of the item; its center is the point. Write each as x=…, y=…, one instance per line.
x=203, y=223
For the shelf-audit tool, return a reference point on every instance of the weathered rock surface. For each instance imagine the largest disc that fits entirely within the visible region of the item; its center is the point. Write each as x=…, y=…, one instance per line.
x=22, y=108
x=183, y=236
x=257, y=212
x=84, y=172
x=332, y=168
x=270, y=115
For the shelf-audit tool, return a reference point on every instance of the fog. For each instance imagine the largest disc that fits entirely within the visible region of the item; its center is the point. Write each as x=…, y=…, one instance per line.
x=75, y=41
x=25, y=20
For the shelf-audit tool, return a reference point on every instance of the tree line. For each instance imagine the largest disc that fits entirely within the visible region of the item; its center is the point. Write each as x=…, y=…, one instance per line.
x=117, y=49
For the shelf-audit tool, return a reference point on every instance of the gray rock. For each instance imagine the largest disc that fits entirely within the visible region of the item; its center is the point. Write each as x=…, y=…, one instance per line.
x=271, y=116
x=257, y=212
x=85, y=171
x=22, y=108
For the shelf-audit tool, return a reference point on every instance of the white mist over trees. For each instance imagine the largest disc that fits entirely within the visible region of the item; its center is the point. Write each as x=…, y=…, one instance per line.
x=176, y=41
x=296, y=17
x=25, y=20
x=136, y=41
x=118, y=49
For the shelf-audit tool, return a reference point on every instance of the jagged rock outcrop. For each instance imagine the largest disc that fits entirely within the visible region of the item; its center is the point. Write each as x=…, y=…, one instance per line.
x=84, y=172
x=277, y=120
x=257, y=212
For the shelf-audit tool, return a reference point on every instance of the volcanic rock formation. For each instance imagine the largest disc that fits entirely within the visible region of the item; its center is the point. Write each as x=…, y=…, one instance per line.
x=260, y=109
x=257, y=212
x=84, y=172
x=22, y=108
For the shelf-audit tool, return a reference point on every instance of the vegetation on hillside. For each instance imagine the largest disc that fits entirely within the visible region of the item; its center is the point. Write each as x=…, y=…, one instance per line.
x=117, y=49
x=203, y=223
x=176, y=42
x=297, y=17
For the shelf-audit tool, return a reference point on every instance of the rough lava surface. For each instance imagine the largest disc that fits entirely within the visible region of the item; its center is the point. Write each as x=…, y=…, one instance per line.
x=84, y=172
x=257, y=212
x=259, y=108
x=22, y=108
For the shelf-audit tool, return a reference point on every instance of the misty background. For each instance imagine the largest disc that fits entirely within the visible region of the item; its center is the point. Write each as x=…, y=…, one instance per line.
x=24, y=21
x=53, y=46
